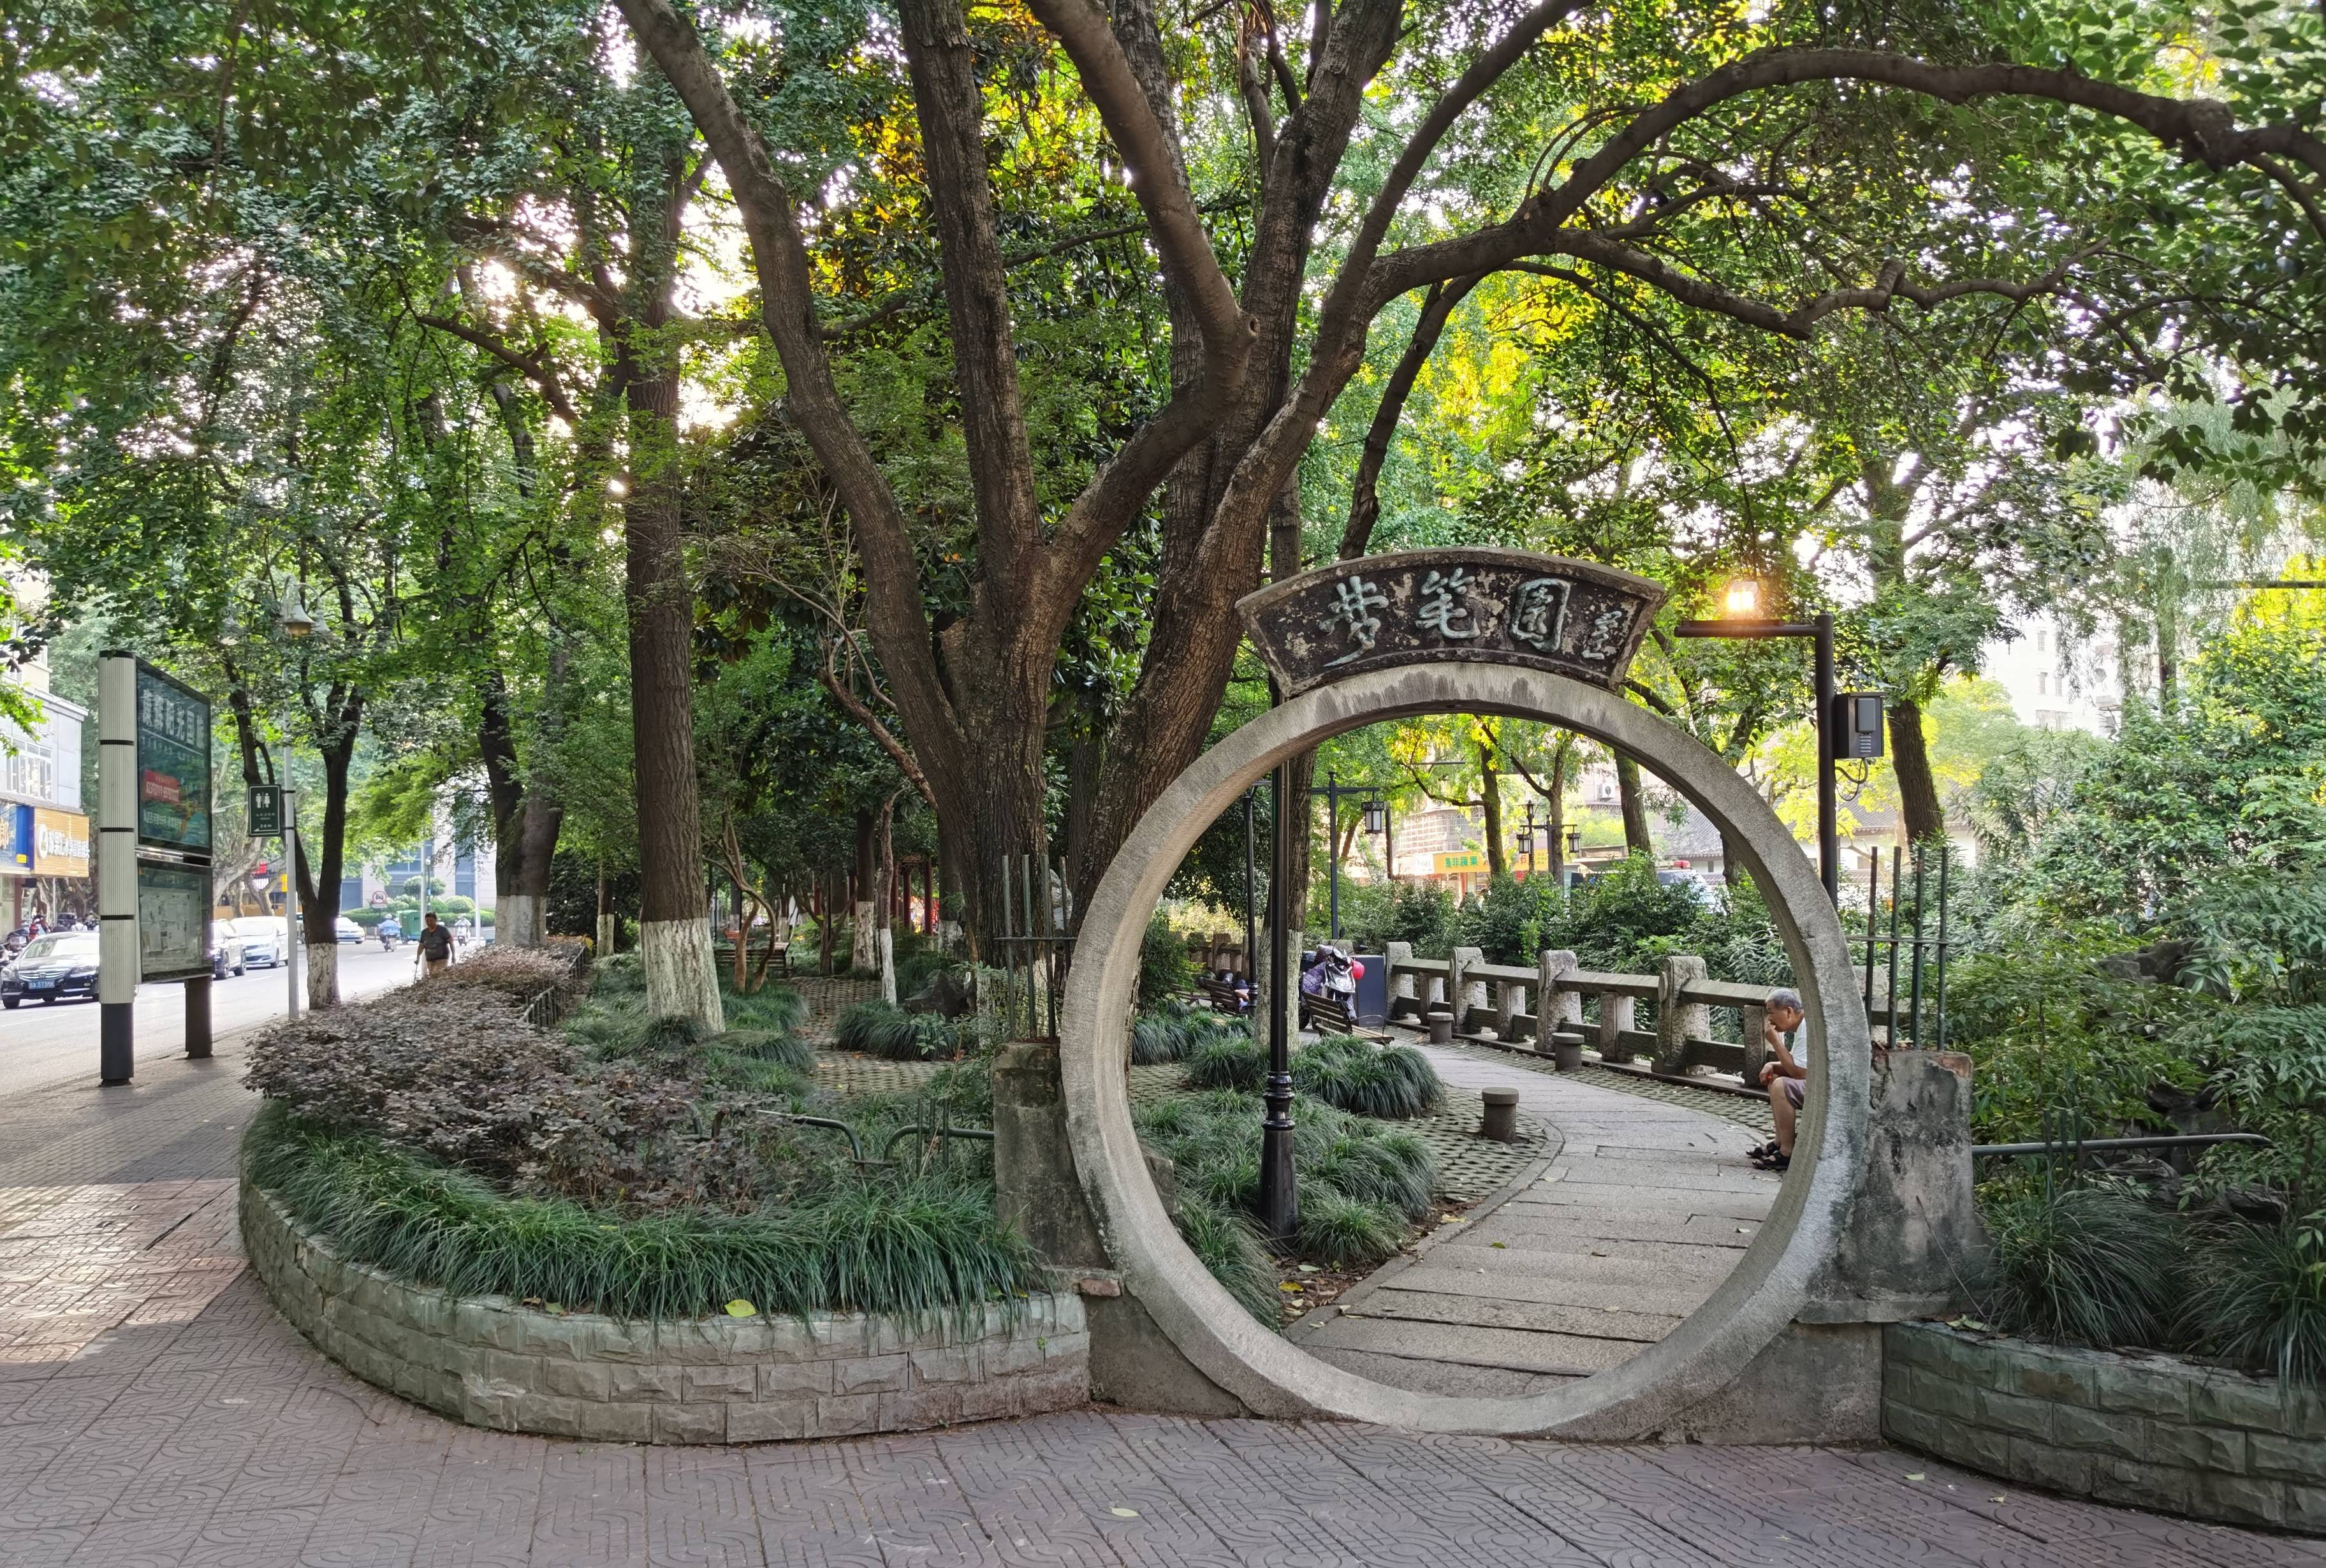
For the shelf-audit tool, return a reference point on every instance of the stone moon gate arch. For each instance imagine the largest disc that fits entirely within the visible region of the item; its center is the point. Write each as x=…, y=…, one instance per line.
x=1513, y=635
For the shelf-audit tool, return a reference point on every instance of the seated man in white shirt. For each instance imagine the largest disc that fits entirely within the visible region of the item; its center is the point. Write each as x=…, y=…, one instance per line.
x=1786, y=1077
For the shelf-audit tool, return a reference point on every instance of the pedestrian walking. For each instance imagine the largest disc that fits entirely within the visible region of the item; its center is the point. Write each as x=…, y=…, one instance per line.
x=435, y=947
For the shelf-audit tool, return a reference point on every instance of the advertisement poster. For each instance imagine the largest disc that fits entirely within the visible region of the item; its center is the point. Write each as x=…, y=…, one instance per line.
x=173, y=765
x=173, y=922
x=60, y=842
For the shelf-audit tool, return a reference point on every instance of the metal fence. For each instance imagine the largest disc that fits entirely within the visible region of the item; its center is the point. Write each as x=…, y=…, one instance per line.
x=1036, y=945
x=1907, y=955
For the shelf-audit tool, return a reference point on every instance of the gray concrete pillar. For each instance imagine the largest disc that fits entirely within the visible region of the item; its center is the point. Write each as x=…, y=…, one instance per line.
x=1554, y=1009
x=1401, y=982
x=1678, y=1022
x=1465, y=993
x=1615, y=1014
x=1754, y=1030
x=1914, y=1236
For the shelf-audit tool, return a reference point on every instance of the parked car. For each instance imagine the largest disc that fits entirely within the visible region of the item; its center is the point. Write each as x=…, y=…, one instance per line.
x=261, y=936
x=348, y=930
x=226, y=955
x=61, y=965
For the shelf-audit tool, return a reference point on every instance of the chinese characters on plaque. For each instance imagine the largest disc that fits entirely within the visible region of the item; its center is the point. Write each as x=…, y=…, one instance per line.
x=1497, y=606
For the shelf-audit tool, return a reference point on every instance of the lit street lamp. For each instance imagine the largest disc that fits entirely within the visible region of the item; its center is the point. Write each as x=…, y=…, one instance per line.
x=1837, y=714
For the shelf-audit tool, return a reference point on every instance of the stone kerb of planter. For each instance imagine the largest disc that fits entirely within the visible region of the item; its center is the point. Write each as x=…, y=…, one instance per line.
x=2147, y=1432
x=493, y=1363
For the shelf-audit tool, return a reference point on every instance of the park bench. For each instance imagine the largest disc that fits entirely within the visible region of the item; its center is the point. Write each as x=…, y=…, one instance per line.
x=1220, y=992
x=1331, y=1015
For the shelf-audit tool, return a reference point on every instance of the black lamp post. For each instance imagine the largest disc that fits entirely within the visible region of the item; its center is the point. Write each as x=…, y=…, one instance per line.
x=1574, y=846
x=1279, y=1202
x=1744, y=622
x=1526, y=837
x=1250, y=909
x=1332, y=790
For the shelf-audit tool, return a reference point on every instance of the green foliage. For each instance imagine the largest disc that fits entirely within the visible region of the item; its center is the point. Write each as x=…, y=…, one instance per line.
x=914, y=1248
x=2092, y=1264
x=1394, y=1081
x=1165, y=968
x=774, y=1008
x=878, y=1029
x=1375, y=914
x=1347, y=1164
x=1343, y=1232
x=1227, y=1061
x=1175, y=1028
x=2257, y=1297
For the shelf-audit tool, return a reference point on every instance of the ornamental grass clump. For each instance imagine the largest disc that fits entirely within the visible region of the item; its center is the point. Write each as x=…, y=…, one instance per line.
x=883, y=1030
x=2092, y=1262
x=1363, y=1182
x=1394, y=1081
x=1227, y=1061
x=910, y=1247
x=2257, y=1297
x=1174, y=1028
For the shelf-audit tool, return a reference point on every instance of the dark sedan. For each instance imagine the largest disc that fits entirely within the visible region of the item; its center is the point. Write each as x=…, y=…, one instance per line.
x=61, y=965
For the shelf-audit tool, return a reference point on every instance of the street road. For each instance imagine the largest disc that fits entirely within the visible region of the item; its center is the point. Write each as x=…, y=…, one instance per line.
x=43, y=1043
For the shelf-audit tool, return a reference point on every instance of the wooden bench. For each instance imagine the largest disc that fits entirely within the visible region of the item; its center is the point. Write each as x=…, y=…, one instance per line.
x=1221, y=993
x=1331, y=1015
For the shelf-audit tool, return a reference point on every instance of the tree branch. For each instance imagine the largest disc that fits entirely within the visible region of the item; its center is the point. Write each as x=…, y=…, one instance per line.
x=534, y=366
x=1365, y=493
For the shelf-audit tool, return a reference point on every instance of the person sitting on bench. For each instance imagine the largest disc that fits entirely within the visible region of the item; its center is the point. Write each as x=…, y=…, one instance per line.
x=1787, y=1077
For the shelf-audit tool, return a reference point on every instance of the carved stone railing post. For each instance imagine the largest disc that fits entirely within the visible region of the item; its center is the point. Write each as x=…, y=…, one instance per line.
x=1397, y=955
x=1614, y=1022
x=1462, y=992
x=1554, y=1009
x=1510, y=1001
x=1678, y=1021
x=1753, y=1027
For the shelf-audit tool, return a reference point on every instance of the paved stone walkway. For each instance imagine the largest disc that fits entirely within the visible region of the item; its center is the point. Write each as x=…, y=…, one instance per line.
x=1645, y=1209
x=155, y=1410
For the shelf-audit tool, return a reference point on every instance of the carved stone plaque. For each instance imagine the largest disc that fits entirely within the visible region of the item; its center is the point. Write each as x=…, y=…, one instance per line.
x=1571, y=617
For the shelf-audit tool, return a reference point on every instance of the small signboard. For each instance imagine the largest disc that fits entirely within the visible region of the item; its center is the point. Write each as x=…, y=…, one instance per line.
x=173, y=765
x=173, y=922
x=1457, y=860
x=1571, y=617
x=60, y=842
x=265, y=811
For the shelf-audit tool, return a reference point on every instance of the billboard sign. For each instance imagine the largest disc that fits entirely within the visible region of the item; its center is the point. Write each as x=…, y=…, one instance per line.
x=21, y=846
x=265, y=811
x=173, y=922
x=60, y=842
x=173, y=765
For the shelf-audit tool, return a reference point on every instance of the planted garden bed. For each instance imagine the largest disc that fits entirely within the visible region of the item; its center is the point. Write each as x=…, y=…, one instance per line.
x=634, y=1171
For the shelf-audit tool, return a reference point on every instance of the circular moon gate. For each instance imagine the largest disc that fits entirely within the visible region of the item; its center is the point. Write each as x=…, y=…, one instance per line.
x=1271, y=1375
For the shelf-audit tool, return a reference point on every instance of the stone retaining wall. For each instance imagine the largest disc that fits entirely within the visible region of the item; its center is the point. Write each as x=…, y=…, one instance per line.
x=492, y=1363
x=2147, y=1432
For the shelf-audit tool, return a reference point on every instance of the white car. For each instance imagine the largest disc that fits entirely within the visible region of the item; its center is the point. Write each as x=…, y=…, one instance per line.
x=261, y=936
x=347, y=930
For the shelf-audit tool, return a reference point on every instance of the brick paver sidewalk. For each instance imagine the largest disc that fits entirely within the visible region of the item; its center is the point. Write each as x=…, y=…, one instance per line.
x=155, y=1410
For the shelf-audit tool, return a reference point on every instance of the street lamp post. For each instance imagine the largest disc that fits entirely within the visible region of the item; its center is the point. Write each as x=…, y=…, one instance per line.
x=1574, y=844
x=1279, y=1202
x=1526, y=839
x=1332, y=790
x=1377, y=826
x=1744, y=621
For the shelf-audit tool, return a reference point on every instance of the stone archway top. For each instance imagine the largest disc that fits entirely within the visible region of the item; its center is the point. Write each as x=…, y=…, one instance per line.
x=1768, y=1287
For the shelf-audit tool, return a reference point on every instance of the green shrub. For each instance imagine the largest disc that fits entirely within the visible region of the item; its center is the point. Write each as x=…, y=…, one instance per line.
x=1213, y=1140
x=1175, y=1029
x=914, y=1248
x=882, y=1030
x=618, y=975
x=2257, y=1297
x=1227, y=1061
x=1393, y=1081
x=1344, y=1232
x=1165, y=969
x=2094, y=1263
x=774, y=1008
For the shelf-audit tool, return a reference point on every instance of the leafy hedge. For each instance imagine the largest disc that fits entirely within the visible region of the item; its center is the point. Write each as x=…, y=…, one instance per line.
x=912, y=1248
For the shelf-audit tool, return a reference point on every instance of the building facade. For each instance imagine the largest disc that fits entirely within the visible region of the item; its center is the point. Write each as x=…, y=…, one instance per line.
x=46, y=864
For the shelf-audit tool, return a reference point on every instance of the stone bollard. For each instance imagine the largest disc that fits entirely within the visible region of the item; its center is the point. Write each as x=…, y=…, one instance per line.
x=1554, y=1009
x=1567, y=1052
x=1501, y=1121
x=1678, y=1022
x=1440, y=1024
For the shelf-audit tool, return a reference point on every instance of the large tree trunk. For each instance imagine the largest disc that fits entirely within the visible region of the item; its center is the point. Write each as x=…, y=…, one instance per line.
x=1910, y=761
x=1490, y=802
x=317, y=875
x=526, y=816
x=1637, y=839
x=674, y=910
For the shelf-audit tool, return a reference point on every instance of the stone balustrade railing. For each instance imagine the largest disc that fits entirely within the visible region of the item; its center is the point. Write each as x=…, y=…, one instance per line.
x=1540, y=1006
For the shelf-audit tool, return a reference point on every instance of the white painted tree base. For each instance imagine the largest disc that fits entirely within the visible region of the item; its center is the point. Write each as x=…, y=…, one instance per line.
x=522, y=921
x=864, y=939
x=681, y=977
x=605, y=935
x=323, y=975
